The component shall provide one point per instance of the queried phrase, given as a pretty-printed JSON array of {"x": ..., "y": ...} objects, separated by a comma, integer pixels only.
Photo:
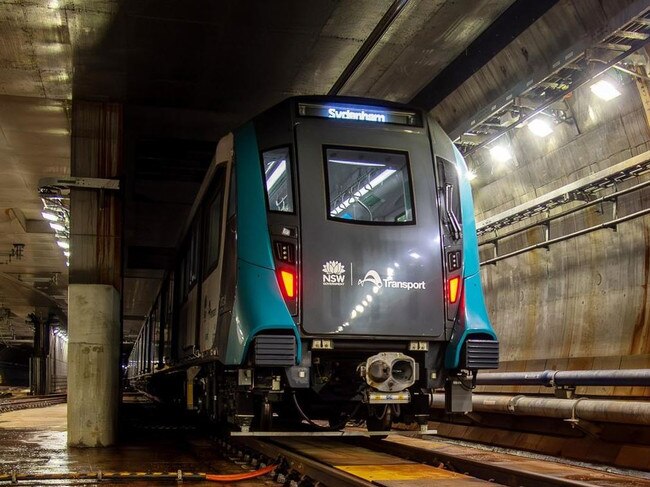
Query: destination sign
[{"x": 358, "y": 113}]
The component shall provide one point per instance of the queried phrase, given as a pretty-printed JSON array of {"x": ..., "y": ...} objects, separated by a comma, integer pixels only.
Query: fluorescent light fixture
[
  {"x": 357, "y": 163},
  {"x": 67, "y": 253},
  {"x": 63, "y": 244},
  {"x": 57, "y": 226},
  {"x": 415, "y": 255},
  {"x": 48, "y": 215},
  {"x": 382, "y": 177},
  {"x": 605, "y": 90},
  {"x": 276, "y": 175},
  {"x": 385, "y": 174},
  {"x": 471, "y": 175},
  {"x": 540, "y": 127},
  {"x": 500, "y": 153}
]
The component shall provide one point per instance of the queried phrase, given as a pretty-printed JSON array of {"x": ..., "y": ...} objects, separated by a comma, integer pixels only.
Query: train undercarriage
[{"x": 325, "y": 391}]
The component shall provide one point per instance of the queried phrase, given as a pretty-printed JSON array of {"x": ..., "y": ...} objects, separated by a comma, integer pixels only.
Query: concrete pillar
[
  {"x": 94, "y": 309},
  {"x": 38, "y": 373},
  {"x": 93, "y": 354}
]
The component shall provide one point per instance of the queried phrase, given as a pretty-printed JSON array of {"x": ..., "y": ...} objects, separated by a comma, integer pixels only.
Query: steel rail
[
  {"x": 31, "y": 402},
  {"x": 308, "y": 466},
  {"x": 501, "y": 473}
]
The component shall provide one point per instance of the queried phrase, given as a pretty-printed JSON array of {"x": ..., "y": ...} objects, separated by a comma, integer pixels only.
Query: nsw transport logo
[{"x": 333, "y": 273}]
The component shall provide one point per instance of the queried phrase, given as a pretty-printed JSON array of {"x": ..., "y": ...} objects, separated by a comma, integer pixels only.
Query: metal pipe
[
  {"x": 630, "y": 72},
  {"x": 552, "y": 378},
  {"x": 584, "y": 231},
  {"x": 597, "y": 410}
]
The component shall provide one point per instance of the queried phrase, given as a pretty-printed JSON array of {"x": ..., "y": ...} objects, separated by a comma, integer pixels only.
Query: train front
[{"x": 372, "y": 233}]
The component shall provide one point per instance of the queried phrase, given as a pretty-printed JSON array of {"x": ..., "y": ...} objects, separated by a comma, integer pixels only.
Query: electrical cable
[
  {"x": 180, "y": 476},
  {"x": 240, "y": 476},
  {"x": 337, "y": 426}
]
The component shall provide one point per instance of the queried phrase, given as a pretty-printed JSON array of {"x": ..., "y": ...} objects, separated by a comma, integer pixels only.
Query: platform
[{"x": 34, "y": 441}]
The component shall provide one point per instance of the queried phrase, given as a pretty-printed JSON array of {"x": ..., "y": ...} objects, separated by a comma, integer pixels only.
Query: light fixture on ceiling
[
  {"x": 63, "y": 244},
  {"x": 57, "y": 226},
  {"x": 357, "y": 163},
  {"x": 49, "y": 215},
  {"x": 276, "y": 175},
  {"x": 471, "y": 175},
  {"x": 540, "y": 127},
  {"x": 385, "y": 174},
  {"x": 67, "y": 253},
  {"x": 500, "y": 153},
  {"x": 605, "y": 90}
]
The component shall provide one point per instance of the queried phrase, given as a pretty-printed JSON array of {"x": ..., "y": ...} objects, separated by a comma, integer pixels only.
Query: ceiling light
[
  {"x": 471, "y": 175},
  {"x": 605, "y": 90},
  {"x": 63, "y": 244},
  {"x": 540, "y": 127},
  {"x": 67, "y": 253},
  {"x": 385, "y": 174},
  {"x": 57, "y": 226},
  {"x": 48, "y": 215},
  {"x": 415, "y": 255},
  {"x": 357, "y": 163},
  {"x": 276, "y": 175},
  {"x": 499, "y": 153}
]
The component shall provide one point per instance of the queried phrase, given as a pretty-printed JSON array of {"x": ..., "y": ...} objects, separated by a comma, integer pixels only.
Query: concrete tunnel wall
[{"x": 583, "y": 303}]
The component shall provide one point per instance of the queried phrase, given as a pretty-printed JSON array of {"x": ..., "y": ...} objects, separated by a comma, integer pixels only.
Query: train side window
[
  {"x": 193, "y": 255},
  {"x": 369, "y": 186},
  {"x": 276, "y": 165},
  {"x": 213, "y": 226}
]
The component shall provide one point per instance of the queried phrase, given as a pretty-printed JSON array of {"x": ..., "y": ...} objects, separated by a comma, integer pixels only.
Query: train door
[
  {"x": 371, "y": 250},
  {"x": 188, "y": 292},
  {"x": 214, "y": 225}
]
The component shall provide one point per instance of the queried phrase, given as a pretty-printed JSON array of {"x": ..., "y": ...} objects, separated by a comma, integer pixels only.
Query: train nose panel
[{"x": 371, "y": 255}]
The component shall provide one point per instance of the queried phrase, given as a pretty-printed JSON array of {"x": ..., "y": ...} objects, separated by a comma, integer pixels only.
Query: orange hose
[{"x": 240, "y": 476}]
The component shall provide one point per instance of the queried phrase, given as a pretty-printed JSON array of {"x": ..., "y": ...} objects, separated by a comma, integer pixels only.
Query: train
[{"x": 328, "y": 271}]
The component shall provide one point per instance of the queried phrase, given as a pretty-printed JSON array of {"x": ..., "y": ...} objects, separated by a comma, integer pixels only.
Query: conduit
[
  {"x": 553, "y": 378},
  {"x": 597, "y": 410},
  {"x": 179, "y": 476}
]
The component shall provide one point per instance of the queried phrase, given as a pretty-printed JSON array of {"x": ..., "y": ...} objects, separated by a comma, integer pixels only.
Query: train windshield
[
  {"x": 368, "y": 186},
  {"x": 277, "y": 176}
]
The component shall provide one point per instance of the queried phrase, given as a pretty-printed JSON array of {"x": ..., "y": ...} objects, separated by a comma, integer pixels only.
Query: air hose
[{"x": 14, "y": 477}]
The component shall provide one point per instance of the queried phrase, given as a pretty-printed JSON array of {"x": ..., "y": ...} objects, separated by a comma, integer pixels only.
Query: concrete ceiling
[
  {"x": 187, "y": 72},
  {"x": 35, "y": 92}
]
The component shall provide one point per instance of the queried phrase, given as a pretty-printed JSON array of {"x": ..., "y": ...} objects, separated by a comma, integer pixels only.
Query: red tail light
[
  {"x": 453, "y": 287},
  {"x": 287, "y": 283}
]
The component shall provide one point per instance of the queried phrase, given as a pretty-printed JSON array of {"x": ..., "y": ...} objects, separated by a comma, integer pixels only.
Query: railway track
[
  {"x": 400, "y": 460},
  {"x": 14, "y": 404}
]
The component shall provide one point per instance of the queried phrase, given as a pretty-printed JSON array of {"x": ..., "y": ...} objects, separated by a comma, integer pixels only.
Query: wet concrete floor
[{"x": 34, "y": 441}]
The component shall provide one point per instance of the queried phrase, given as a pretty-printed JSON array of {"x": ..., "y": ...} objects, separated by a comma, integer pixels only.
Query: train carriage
[{"x": 329, "y": 269}]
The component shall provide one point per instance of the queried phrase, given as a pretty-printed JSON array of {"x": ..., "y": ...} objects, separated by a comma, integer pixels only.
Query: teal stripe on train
[
  {"x": 259, "y": 305},
  {"x": 476, "y": 320}
]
